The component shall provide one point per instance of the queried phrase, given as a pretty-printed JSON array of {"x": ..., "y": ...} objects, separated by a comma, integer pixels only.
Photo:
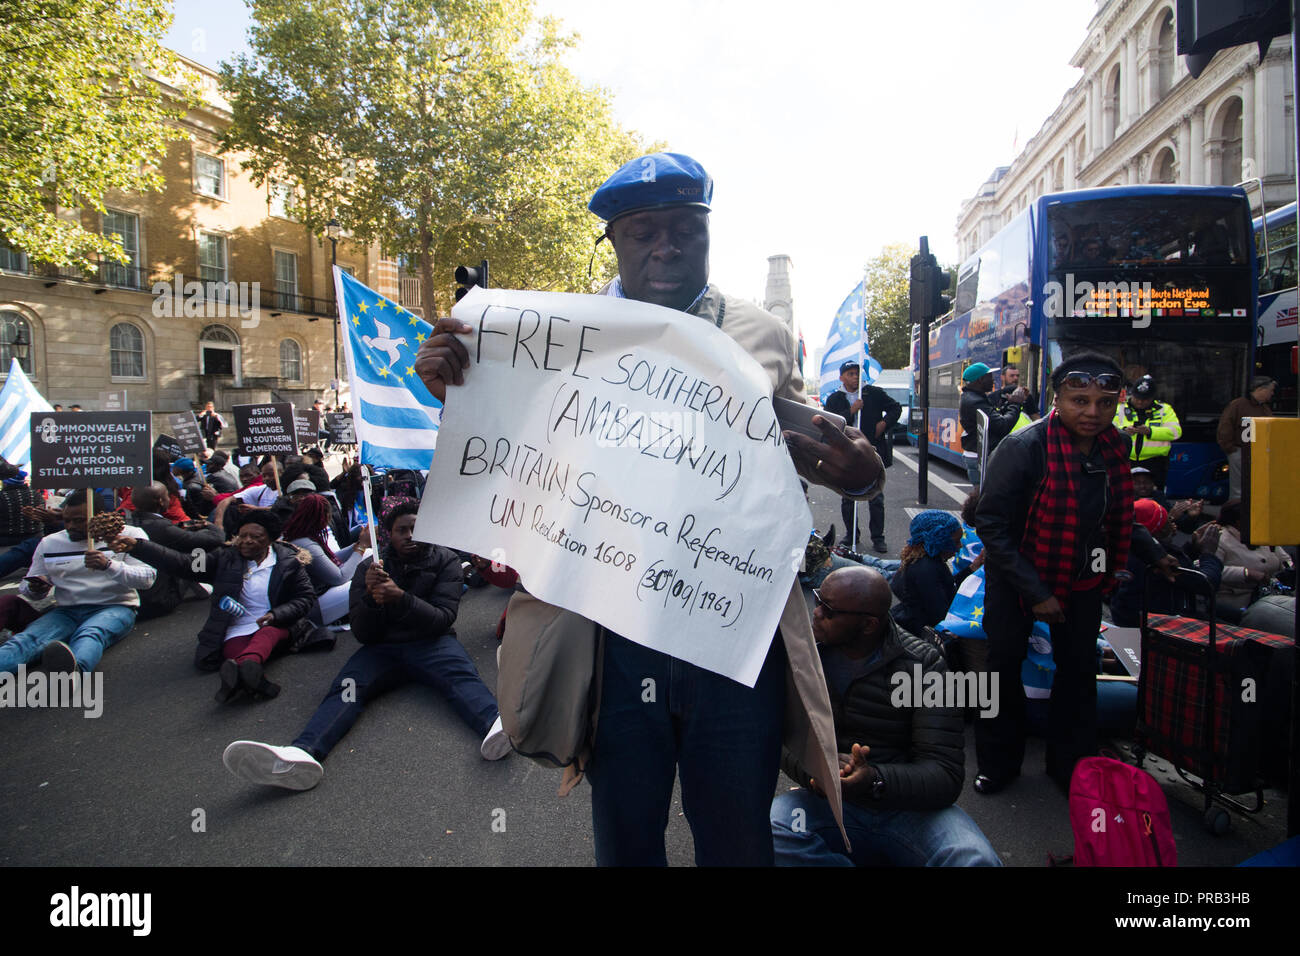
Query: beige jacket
[{"x": 809, "y": 725}]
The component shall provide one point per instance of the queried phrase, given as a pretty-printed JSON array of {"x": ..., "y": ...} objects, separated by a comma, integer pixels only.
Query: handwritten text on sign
[{"x": 625, "y": 459}]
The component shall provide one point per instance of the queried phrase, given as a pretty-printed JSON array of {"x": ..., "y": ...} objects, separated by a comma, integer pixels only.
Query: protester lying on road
[{"x": 403, "y": 614}]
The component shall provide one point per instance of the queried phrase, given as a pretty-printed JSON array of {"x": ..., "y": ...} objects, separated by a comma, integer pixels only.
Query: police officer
[{"x": 1153, "y": 426}]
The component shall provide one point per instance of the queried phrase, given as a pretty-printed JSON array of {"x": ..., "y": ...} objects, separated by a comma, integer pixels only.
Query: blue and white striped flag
[
  {"x": 18, "y": 399},
  {"x": 396, "y": 418},
  {"x": 847, "y": 340}
]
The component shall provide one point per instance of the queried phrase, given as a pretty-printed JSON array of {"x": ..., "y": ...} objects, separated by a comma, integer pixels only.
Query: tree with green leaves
[
  {"x": 886, "y": 301},
  {"x": 81, "y": 114},
  {"x": 446, "y": 130}
]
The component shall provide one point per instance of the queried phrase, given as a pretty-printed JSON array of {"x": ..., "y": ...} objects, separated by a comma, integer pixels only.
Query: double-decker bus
[
  {"x": 1161, "y": 278},
  {"x": 1275, "y": 250}
]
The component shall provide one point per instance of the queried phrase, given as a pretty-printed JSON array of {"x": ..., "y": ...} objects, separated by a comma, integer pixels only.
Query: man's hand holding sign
[{"x": 642, "y": 482}]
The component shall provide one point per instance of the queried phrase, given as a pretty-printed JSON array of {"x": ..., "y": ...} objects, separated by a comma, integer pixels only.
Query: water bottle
[{"x": 231, "y": 606}]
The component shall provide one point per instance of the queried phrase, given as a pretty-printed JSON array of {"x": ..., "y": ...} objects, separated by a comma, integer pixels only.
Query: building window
[
  {"x": 12, "y": 261},
  {"x": 126, "y": 350},
  {"x": 1230, "y": 132},
  {"x": 290, "y": 361},
  {"x": 1164, "y": 170},
  {"x": 1165, "y": 56},
  {"x": 127, "y": 229},
  {"x": 212, "y": 257},
  {"x": 286, "y": 280},
  {"x": 282, "y": 200},
  {"x": 210, "y": 175},
  {"x": 11, "y": 324}
]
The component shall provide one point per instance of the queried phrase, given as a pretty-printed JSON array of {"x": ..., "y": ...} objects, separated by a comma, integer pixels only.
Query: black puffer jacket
[
  {"x": 433, "y": 584},
  {"x": 290, "y": 591},
  {"x": 919, "y": 751}
]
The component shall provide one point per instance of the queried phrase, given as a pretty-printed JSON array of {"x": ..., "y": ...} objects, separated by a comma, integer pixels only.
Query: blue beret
[
  {"x": 653, "y": 182},
  {"x": 183, "y": 464}
]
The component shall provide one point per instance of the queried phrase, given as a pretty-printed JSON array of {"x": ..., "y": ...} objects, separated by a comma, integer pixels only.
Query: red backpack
[{"x": 1119, "y": 816}]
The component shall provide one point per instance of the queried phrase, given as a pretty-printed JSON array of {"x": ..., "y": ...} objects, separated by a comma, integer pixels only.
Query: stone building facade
[
  {"x": 1137, "y": 116},
  {"x": 226, "y": 297}
]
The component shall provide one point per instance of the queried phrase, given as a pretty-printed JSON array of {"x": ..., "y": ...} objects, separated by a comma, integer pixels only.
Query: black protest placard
[
  {"x": 307, "y": 425},
  {"x": 90, "y": 449},
  {"x": 170, "y": 447},
  {"x": 266, "y": 429},
  {"x": 186, "y": 429},
  {"x": 112, "y": 401},
  {"x": 341, "y": 429}
]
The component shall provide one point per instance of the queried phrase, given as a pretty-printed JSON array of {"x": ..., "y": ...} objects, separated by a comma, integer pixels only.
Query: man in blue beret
[{"x": 726, "y": 739}]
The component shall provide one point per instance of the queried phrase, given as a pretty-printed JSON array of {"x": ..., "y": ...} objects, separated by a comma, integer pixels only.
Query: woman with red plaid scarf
[{"x": 1055, "y": 516}]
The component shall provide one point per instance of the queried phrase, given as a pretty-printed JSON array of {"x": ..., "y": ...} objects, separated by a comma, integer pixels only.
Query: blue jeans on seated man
[
  {"x": 945, "y": 837},
  {"x": 441, "y": 663},
  {"x": 660, "y": 716},
  {"x": 89, "y": 629}
]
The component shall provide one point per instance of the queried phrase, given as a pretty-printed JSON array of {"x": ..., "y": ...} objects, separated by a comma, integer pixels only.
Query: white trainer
[
  {"x": 496, "y": 744},
  {"x": 289, "y": 767}
]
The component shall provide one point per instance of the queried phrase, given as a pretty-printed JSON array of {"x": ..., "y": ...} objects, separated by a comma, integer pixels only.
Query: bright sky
[{"x": 831, "y": 127}]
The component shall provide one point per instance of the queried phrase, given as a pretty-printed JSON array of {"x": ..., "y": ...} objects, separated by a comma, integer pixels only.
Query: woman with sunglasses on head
[{"x": 1055, "y": 516}]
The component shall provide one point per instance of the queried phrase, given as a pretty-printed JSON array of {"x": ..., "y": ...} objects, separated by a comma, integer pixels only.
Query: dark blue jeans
[
  {"x": 660, "y": 716},
  {"x": 375, "y": 669}
]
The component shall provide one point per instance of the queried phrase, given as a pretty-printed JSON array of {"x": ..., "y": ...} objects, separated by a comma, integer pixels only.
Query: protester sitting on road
[
  {"x": 221, "y": 475},
  {"x": 167, "y": 592},
  {"x": 924, "y": 584},
  {"x": 330, "y": 570},
  {"x": 1245, "y": 568},
  {"x": 901, "y": 767},
  {"x": 1056, "y": 518},
  {"x": 1158, "y": 550},
  {"x": 403, "y": 614},
  {"x": 1144, "y": 486},
  {"x": 197, "y": 494},
  {"x": 162, "y": 471},
  {"x": 262, "y": 495},
  {"x": 19, "y": 556},
  {"x": 821, "y": 557},
  {"x": 970, "y": 553},
  {"x": 260, "y": 590},
  {"x": 96, "y": 596}
]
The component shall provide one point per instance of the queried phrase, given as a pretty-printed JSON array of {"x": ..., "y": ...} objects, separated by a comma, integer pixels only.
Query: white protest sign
[{"x": 625, "y": 459}]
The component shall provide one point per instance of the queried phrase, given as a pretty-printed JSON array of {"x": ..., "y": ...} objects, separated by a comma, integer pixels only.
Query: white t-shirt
[
  {"x": 255, "y": 596},
  {"x": 259, "y": 496},
  {"x": 62, "y": 562}
]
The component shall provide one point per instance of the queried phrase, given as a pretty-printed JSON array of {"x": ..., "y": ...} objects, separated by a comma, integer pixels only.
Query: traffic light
[
  {"x": 929, "y": 286},
  {"x": 470, "y": 276}
]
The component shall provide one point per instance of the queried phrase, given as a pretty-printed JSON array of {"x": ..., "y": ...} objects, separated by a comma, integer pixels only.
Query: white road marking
[{"x": 947, "y": 487}]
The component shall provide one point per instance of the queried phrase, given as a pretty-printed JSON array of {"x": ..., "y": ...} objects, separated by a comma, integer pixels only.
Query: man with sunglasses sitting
[
  {"x": 901, "y": 765},
  {"x": 1056, "y": 519}
]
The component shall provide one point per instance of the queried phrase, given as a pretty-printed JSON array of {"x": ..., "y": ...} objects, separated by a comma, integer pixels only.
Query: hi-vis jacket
[{"x": 1164, "y": 425}]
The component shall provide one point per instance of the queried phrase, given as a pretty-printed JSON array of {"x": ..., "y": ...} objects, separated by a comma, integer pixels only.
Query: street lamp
[
  {"x": 20, "y": 347},
  {"x": 334, "y": 230}
]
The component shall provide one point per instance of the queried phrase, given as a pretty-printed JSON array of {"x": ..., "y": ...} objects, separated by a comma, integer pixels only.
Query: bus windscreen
[{"x": 1177, "y": 257}]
